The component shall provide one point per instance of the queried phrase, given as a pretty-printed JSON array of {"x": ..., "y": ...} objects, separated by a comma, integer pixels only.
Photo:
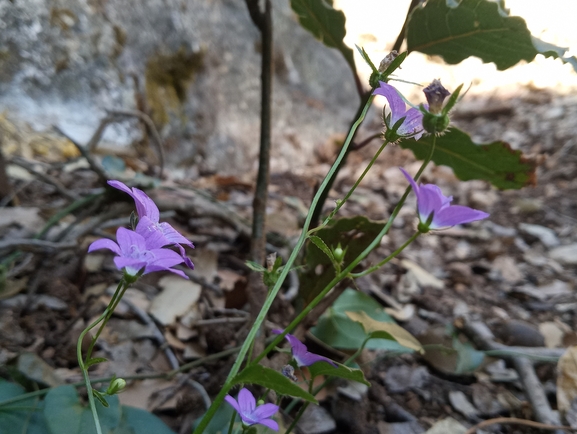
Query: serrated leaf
[
  {"x": 341, "y": 371},
  {"x": 353, "y": 234},
  {"x": 326, "y": 24},
  {"x": 495, "y": 162},
  {"x": 325, "y": 249},
  {"x": 481, "y": 28},
  {"x": 386, "y": 330},
  {"x": 336, "y": 329},
  {"x": 94, "y": 361},
  {"x": 263, "y": 376}
]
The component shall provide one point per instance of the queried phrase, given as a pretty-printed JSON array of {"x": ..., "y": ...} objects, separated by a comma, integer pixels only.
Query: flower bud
[
  {"x": 436, "y": 94},
  {"x": 339, "y": 253},
  {"x": 387, "y": 60},
  {"x": 289, "y": 372},
  {"x": 116, "y": 386}
]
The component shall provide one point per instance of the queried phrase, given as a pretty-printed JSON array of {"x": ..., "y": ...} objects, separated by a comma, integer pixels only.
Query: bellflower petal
[
  {"x": 412, "y": 126},
  {"x": 145, "y": 206},
  {"x": 250, "y": 413},
  {"x": 431, "y": 201},
  {"x": 300, "y": 353},
  {"x": 132, "y": 254}
]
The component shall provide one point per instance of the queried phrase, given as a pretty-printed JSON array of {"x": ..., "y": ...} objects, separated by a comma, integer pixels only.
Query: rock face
[{"x": 194, "y": 66}]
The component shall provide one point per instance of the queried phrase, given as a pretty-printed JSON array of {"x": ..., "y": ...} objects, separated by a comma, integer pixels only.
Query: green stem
[
  {"x": 344, "y": 273},
  {"x": 120, "y": 289},
  {"x": 354, "y": 187},
  {"x": 273, "y": 293},
  {"x": 388, "y": 258}
]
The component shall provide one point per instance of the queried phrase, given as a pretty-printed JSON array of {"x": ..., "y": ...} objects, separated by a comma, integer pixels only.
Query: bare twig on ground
[
  {"x": 44, "y": 177},
  {"x": 158, "y": 336},
  {"x": 516, "y": 421},
  {"x": 91, "y": 162},
  {"x": 32, "y": 245},
  {"x": 151, "y": 128},
  {"x": 534, "y": 390}
]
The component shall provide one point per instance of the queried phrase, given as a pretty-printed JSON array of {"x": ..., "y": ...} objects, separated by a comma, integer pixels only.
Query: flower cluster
[
  {"x": 142, "y": 249},
  {"x": 250, "y": 413}
]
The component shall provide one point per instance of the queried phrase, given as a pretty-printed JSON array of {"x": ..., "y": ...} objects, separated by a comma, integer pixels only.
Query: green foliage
[
  {"x": 258, "y": 374},
  {"x": 353, "y": 234},
  {"x": 326, "y": 24},
  {"x": 468, "y": 358},
  {"x": 494, "y": 162},
  {"x": 336, "y": 329},
  {"x": 61, "y": 412},
  {"x": 458, "y": 30},
  {"x": 342, "y": 371}
]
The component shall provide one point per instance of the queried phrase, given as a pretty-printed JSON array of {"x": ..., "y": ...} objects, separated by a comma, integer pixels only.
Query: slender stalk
[
  {"x": 274, "y": 291},
  {"x": 354, "y": 187},
  {"x": 387, "y": 259}
]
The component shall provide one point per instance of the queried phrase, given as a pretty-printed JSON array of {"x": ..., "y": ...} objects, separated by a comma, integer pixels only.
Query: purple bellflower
[
  {"x": 411, "y": 126},
  {"x": 300, "y": 353},
  {"x": 435, "y": 209},
  {"x": 134, "y": 254},
  {"x": 156, "y": 234},
  {"x": 250, "y": 413}
]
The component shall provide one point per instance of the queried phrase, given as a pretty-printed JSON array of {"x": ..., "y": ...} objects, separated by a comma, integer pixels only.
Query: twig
[
  {"x": 481, "y": 335},
  {"x": 158, "y": 336},
  {"x": 91, "y": 162},
  {"x": 365, "y": 142},
  {"x": 516, "y": 421},
  {"x": 225, "y": 320},
  {"x": 32, "y": 245},
  {"x": 401, "y": 37},
  {"x": 151, "y": 128},
  {"x": 44, "y": 177}
]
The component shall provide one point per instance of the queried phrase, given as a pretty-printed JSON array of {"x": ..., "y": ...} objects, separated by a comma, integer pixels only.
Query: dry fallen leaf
[{"x": 567, "y": 379}]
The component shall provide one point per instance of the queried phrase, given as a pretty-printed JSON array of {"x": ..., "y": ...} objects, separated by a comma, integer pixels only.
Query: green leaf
[
  {"x": 341, "y": 371},
  {"x": 468, "y": 358},
  {"x": 326, "y": 250},
  {"x": 94, "y": 361},
  {"x": 142, "y": 422},
  {"x": 255, "y": 267},
  {"x": 23, "y": 417},
  {"x": 353, "y": 234},
  {"x": 65, "y": 414},
  {"x": 220, "y": 422},
  {"x": 336, "y": 329},
  {"x": 494, "y": 162},
  {"x": 366, "y": 58},
  {"x": 481, "y": 28},
  {"x": 326, "y": 24},
  {"x": 258, "y": 374},
  {"x": 385, "y": 330}
]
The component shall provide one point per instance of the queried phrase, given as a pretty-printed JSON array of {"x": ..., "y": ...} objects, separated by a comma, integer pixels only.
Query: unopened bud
[
  {"x": 116, "y": 386},
  {"x": 436, "y": 94},
  {"x": 339, "y": 253}
]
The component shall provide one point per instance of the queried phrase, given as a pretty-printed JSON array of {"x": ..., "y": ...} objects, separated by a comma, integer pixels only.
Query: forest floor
[{"x": 509, "y": 280}]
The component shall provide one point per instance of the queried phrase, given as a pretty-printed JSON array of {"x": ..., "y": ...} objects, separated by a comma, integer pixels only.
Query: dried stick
[
  {"x": 516, "y": 421},
  {"x": 44, "y": 177},
  {"x": 151, "y": 128},
  {"x": 481, "y": 335}
]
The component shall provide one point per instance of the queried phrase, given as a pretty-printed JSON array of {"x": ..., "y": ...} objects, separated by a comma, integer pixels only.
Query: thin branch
[
  {"x": 401, "y": 37},
  {"x": 91, "y": 162},
  {"x": 32, "y": 245},
  {"x": 44, "y": 177},
  {"x": 516, "y": 421},
  {"x": 151, "y": 128}
]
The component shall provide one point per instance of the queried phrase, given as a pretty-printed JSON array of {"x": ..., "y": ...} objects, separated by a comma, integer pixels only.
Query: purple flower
[
  {"x": 133, "y": 254},
  {"x": 412, "y": 126},
  {"x": 435, "y": 209},
  {"x": 300, "y": 353},
  {"x": 249, "y": 412},
  {"x": 156, "y": 234}
]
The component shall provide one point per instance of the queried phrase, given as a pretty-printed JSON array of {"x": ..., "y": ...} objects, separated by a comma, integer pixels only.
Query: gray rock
[
  {"x": 197, "y": 65},
  {"x": 400, "y": 428},
  {"x": 316, "y": 420},
  {"x": 566, "y": 255},
  {"x": 461, "y": 404},
  {"x": 401, "y": 378},
  {"x": 547, "y": 236}
]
